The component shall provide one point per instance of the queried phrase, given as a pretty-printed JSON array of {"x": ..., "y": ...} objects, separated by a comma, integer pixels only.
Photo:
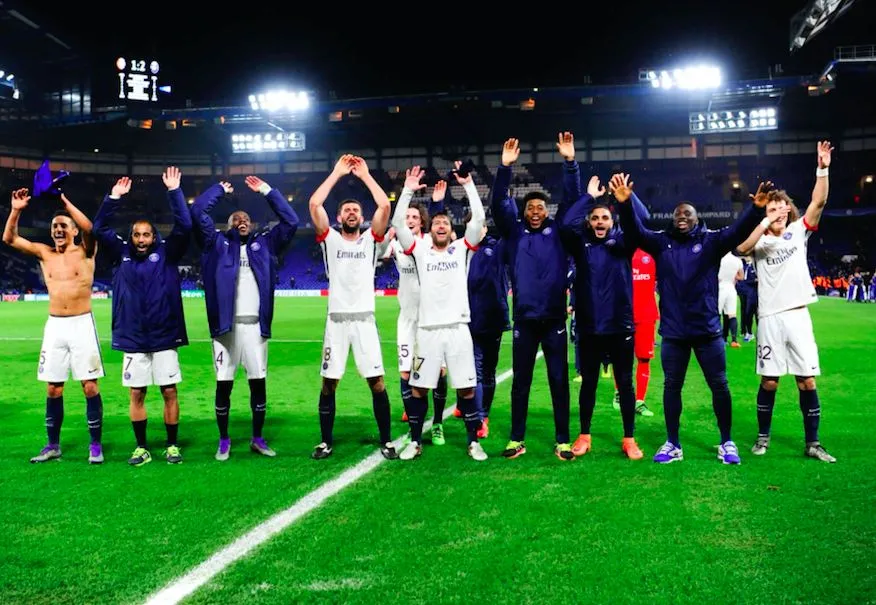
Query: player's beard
[{"x": 347, "y": 228}]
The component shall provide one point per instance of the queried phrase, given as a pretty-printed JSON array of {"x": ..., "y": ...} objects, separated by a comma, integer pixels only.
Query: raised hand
[
  {"x": 762, "y": 196},
  {"x": 440, "y": 191},
  {"x": 171, "y": 178},
  {"x": 777, "y": 213},
  {"x": 621, "y": 187},
  {"x": 594, "y": 189},
  {"x": 359, "y": 167},
  {"x": 226, "y": 187},
  {"x": 122, "y": 187},
  {"x": 344, "y": 165},
  {"x": 510, "y": 152},
  {"x": 413, "y": 176},
  {"x": 462, "y": 180},
  {"x": 20, "y": 198},
  {"x": 253, "y": 182},
  {"x": 824, "y": 151},
  {"x": 566, "y": 145}
]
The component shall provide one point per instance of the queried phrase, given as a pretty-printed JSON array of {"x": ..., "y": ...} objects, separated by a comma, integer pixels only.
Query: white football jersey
[
  {"x": 408, "y": 280},
  {"x": 443, "y": 283},
  {"x": 350, "y": 268},
  {"x": 783, "y": 280},
  {"x": 730, "y": 266}
]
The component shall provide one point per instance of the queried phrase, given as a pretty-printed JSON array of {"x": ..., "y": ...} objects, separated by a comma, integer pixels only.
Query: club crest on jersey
[
  {"x": 361, "y": 237},
  {"x": 153, "y": 258},
  {"x": 256, "y": 247},
  {"x": 787, "y": 235},
  {"x": 547, "y": 231},
  {"x": 488, "y": 251},
  {"x": 610, "y": 242},
  {"x": 646, "y": 260},
  {"x": 450, "y": 249},
  {"x": 697, "y": 248}
]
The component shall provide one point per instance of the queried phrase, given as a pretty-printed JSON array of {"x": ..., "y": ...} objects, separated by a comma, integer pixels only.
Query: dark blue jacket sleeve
[
  {"x": 205, "y": 228},
  {"x": 738, "y": 232},
  {"x": 282, "y": 232},
  {"x": 111, "y": 243},
  {"x": 572, "y": 181},
  {"x": 575, "y": 218},
  {"x": 504, "y": 208},
  {"x": 637, "y": 235},
  {"x": 178, "y": 240},
  {"x": 639, "y": 208}
]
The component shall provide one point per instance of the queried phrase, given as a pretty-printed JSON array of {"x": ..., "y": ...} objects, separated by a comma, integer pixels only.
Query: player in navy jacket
[
  {"x": 148, "y": 321},
  {"x": 688, "y": 256},
  {"x": 537, "y": 267},
  {"x": 603, "y": 311},
  {"x": 239, "y": 269},
  {"x": 488, "y": 301}
]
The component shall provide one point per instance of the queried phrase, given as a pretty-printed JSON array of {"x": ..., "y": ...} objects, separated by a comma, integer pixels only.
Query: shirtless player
[{"x": 70, "y": 340}]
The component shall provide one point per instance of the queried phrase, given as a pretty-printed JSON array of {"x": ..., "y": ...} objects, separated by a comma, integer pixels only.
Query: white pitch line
[{"x": 185, "y": 585}]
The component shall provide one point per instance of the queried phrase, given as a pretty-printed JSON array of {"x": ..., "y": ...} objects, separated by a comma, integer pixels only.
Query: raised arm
[
  {"x": 504, "y": 208},
  {"x": 317, "y": 201},
  {"x": 572, "y": 189},
  {"x": 178, "y": 240},
  {"x": 634, "y": 231},
  {"x": 202, "y": 222},
  {"x": 474, "y": 231},
  {"x": 83, "y": 223},
  {"x": 111, "y": 242},
  {"x": 282, "y": 232},
  {"x": 380, "y": 220},
  {"x": 773, "y": 214},
  {"x": 20, "y": 198},
  {"x": 819, "y": 192},
  {"x": 405, "y": 237},
  {"x": 741, "y": 230},
  {"x": 438, "y": 195},
  {"x": 639, "y": 208}
]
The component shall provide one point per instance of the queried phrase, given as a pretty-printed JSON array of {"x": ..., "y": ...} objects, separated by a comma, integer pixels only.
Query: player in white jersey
[
  {"x": 417, "y": 220},
  {"x": 443, "y": 336},
  {"x": 350, "y": 258},
  {"x": 729, "y": 272},
  {"x": 785, "y": 341}
]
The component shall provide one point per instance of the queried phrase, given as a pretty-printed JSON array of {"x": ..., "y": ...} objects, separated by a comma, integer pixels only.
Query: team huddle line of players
[{"x": 453, "y": 305}]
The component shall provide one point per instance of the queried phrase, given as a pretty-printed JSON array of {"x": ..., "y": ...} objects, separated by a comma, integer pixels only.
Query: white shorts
[
  {"x": 358, "y": 334},
  {"x": 243, "y": 346},
  {"x": 406, "y": 336},
  {"x": 436, "y": 347},
  {"x": 786, "y": 345},
  {"x": 70, "y": 345},
  {"x": 727, "y": 300},
  {"x": 160, "y": 368}
]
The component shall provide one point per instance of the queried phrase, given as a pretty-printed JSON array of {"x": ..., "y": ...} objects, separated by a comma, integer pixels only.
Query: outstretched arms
[
  {"x": 405, "y": 236},
  {"x": 111, "y": 241},
  {"x": 819, "y": 192},
  {"x": 20, "y": 198},
  {"x": 205, "y": 228},
  {"x": 504, "y": 208},
  {"x": 474, "y": 231},
  {"x": 380, "y": 220},
  {"x": 317, "y": 201},
  {"x": 178, "y": 240},
  {"x": 283, "y": 231},
  {"x": 83, "y": 223}
]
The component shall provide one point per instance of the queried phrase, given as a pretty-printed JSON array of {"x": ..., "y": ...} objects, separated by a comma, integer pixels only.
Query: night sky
[{"x": 211, "y": 56}]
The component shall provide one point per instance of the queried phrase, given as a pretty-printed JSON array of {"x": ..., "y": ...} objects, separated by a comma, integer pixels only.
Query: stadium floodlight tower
[
  {"x": 280, "y": 101},
  {"x": 812, "y": 20},
  {"x": 695, "y": 77}
]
